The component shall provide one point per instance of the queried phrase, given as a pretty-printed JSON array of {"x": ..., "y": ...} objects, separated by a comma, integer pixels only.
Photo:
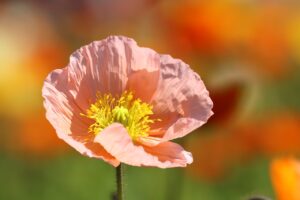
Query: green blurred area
[{"x": 76, "y": 177}]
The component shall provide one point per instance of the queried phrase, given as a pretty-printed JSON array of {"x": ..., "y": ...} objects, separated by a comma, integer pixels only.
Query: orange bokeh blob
[
  {"x": 35, "y": 136},
  {"x": 273, "y": 136},
  {"x": 285, "y": 175}
]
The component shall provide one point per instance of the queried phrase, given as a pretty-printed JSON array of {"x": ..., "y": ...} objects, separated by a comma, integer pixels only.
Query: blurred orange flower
[
  {"x": 272, "y": 136},
  {"x": 285, "y": 176},
  {"x": 255, "y": 37},
  {"x": 279, "y": 134},
  {"x": 225, "y": 148},
  {"x": 35, "y": 136},
  {"x": 201, "y": 27},
  {"x": 267, "y": 44}
]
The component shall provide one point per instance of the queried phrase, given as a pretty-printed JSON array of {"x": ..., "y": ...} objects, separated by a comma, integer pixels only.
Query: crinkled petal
[
  {"x": 143, "y": 84},
  {"x": 107, "y": 66},
  {"x": 64, "y": 115},
  {"x": 181, "y": 100},
  {"x": 60, "y": 104},
  {"x": 118, "y": 143}
]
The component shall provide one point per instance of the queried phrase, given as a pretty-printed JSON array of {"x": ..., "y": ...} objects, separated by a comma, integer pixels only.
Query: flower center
[
  {"x": 132, "y": 113},
  {"x": 120, "y": 114}
]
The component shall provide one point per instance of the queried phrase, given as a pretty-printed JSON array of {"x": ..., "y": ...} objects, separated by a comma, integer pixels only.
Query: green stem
[{"x": 119, "y": 175}]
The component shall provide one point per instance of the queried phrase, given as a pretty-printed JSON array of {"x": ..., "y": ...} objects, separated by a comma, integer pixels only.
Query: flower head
[{"x": 123, "y": 103}]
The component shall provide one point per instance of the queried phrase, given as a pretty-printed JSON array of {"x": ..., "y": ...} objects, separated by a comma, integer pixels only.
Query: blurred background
[{"x": 247, "y": 52}]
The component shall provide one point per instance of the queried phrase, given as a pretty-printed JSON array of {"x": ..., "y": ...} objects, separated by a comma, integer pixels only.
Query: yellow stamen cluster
[{"x": 132, "y": 113}]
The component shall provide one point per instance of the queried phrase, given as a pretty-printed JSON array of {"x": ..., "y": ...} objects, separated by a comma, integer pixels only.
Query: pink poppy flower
[{"x": 123, "y": 103}]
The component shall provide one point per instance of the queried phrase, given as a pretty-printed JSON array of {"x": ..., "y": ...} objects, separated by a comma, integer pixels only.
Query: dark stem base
[{"x": 119, "y": 176}]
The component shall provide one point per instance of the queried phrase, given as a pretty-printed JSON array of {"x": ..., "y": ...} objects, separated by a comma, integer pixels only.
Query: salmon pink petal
[
  {"x": 59, "y": 102},
  {"x": 118, "y": 143},
  {"x": 143, "y": 84},
  {"x": 106, "y": 66},
  {"x": 149, "y": 141},
  {"x": 181, "y": 99},
  {"x": 63, "y": 113}
]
